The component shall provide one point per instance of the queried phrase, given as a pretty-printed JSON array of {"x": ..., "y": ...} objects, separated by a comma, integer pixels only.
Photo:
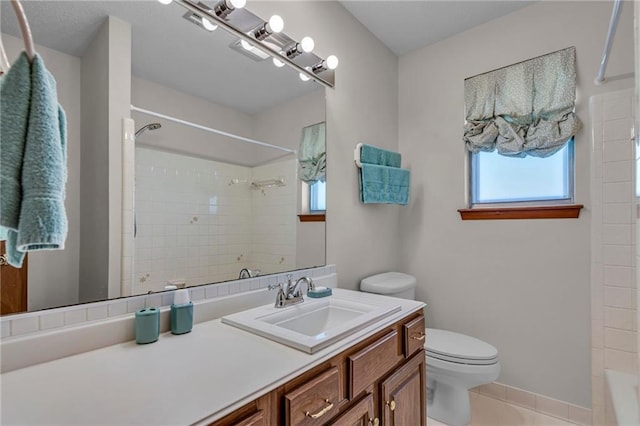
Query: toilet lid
[{"x": 455, "y": 347}]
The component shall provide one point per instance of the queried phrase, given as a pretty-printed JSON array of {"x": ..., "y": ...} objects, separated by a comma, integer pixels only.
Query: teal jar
[
  {"x": 147, "y": 325},
  {"x": 181, "y": 312},
  {"x": 181, "y": 318}
]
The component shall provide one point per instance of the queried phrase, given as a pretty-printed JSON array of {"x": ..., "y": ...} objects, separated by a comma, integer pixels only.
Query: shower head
[{"x": 151, "y": 126}]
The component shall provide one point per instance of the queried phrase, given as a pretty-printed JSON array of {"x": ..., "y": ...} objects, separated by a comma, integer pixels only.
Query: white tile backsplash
[
  {"x": 6, "y": 328},
  {"x": 117, "y": 308},
  {"x": 24, "y": 325},
  {"x": 51, "y": 320},
  {"x": 48, "y": 320},
  {"x": 97, "y": 312},
  {"x": 75, "y": 316}
]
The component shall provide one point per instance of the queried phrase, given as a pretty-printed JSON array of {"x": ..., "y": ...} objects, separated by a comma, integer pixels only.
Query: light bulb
[
  {"x": 278, "y": 63},
  {"x": 276, "y": 23},
  {"x": 307, "y": 44},
  {"x": 332, "y": 62},
  {"x": 237, "y": 4},
  {"x": 246, "y": 45},
  {"x": 304, "y": 77},
  {"x": 165, "y": 2},
  {"x": 207, "y": 25}
]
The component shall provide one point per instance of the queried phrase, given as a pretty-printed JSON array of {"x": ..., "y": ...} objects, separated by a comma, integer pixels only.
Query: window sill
[
  {"x": 312, "y": 217},
  {"x": 571, "y": 211}
]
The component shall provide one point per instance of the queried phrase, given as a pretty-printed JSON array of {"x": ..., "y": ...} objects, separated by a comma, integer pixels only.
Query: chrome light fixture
[{"x": 258, "y": 36}]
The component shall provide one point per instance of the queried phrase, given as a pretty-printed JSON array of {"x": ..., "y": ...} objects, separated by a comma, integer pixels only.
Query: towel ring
[{"x": 24, "y": 27}]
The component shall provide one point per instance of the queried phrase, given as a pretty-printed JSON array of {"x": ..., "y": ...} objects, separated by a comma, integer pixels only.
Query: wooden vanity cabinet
[
  {"x": 380, "y": 381},
  {"x": 260, "y": 412},
  {"x": 403, "y": 394}
]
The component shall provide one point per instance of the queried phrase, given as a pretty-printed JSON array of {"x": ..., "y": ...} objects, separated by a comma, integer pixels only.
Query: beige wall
[
  {"x": 298, "y": 113},
  {"x": 521, "y": 285},
  {"x": 106, "y": 94},
  {"x": 59, "y": 268},
  {"x": 361, "y": 240},
  {"x": 155, "y": 97}
]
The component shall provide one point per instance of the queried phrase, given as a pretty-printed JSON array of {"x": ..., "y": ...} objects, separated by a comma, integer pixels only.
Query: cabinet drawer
[
  {"x": 256, "y": 419},
  {"x": 314, "y": 402},
  {"x": 413, "y": 336},
  {"x": 369, "y": 364}
]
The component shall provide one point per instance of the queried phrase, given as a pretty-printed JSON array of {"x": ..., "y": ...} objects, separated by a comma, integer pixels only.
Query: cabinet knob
[
  {"x": 391, "y": 404},
  {"x": 322, "y": 412},
  {"x": 374, "y": 422},
  {"x": 3, "y": 260}
]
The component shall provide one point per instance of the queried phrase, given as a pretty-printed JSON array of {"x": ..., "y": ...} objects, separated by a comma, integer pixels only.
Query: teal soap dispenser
[{"x": 181, "y": 312}]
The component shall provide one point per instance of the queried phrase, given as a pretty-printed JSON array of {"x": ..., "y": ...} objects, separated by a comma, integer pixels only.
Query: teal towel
[
  {"x": 34, "y": 150},
  {"x": 382, "y": 184},
  {"x": 373, "y": 155}
]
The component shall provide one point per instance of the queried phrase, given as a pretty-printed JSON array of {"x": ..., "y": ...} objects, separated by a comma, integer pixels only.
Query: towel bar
[{"x": 356, "y": 155}]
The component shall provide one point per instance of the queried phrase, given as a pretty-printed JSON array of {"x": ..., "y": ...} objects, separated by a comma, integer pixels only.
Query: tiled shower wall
[
  {"x": 614, "y": 342},
  {"x": 195, "y": 217},
  {"x": 273, "y": 224}
]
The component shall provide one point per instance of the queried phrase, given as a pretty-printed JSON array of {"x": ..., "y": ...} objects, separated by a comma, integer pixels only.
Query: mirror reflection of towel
[{"x": 33, "y": 161}]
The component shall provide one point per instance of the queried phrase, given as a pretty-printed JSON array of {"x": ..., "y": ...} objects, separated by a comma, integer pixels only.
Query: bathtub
[{"x": 622, "y": 399}]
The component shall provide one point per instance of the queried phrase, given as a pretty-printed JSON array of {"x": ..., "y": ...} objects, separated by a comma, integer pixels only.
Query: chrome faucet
[
  {"x": 289, "y": 293},
  {"x": 248, "y": 273}
]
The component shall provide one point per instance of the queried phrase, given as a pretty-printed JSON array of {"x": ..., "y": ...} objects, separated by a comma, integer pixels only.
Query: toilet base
[{"x": 448, "y": 404}]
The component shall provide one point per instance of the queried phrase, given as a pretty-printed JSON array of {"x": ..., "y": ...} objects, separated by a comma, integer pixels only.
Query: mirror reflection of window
[{"x": 318, "y": 197}]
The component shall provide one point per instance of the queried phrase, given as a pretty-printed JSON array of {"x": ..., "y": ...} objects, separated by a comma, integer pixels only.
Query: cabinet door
[
  {"x": 360, "y": 414},
  {"x": 402, "y": 395}
]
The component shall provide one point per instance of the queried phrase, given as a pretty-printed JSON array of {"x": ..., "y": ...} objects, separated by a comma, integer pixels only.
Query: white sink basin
[{"x": 313, "y": 324}]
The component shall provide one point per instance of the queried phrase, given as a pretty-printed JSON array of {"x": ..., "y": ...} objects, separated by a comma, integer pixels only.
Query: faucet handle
[{"x": 277, "y": 286}]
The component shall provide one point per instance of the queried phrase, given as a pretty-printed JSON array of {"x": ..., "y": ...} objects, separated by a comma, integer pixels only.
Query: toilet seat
[{"x": 459, "y": 348}]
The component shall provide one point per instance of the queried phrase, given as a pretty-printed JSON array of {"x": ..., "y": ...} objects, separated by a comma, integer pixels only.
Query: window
[
  {"x": 519, "y": 128},
  {"x": 496, "y": 178},
  {"x": 317, "y": 197}
]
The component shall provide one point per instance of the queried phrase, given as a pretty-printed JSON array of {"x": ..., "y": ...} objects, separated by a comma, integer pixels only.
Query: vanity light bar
[{"x": 303, "y": 63}]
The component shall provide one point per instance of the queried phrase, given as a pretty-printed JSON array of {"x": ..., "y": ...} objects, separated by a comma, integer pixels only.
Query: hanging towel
[
  {"x": 373, "y": 155},
  {"x": 383, "y": 184},
  {"x": 35, "y": 149}
]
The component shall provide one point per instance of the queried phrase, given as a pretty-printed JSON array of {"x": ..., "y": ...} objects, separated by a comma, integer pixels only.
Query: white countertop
[{"x": 186, "y": 379}]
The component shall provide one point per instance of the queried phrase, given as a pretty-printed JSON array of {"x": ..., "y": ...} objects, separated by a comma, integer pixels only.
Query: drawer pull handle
[
  {"x": 322, "y": 412},
  {"x": 420, "y": 336},
  {"x": 374, "y": 422},
  {"x": 391, "y": 404}
]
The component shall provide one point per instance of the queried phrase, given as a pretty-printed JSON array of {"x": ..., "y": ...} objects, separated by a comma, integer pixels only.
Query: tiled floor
[{"x": 487, "y": 411}]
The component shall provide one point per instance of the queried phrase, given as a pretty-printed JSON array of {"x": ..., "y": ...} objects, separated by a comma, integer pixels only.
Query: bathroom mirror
[{"x": 207, "y": 204}]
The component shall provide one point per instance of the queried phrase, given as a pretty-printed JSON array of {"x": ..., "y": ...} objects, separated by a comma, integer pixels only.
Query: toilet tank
[{"x": 395, "y": 284}]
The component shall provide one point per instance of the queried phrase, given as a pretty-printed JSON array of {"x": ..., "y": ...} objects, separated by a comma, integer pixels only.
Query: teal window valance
[
  {"x": 523, "y": 109},
  {"x": 312, "y": 156}
]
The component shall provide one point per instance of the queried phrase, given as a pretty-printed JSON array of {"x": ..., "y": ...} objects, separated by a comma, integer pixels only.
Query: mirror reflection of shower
[{"x": 150, "y": 126}]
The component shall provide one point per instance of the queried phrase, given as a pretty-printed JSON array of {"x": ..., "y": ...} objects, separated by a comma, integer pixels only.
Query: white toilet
[{"x": 455, "y": 362}]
